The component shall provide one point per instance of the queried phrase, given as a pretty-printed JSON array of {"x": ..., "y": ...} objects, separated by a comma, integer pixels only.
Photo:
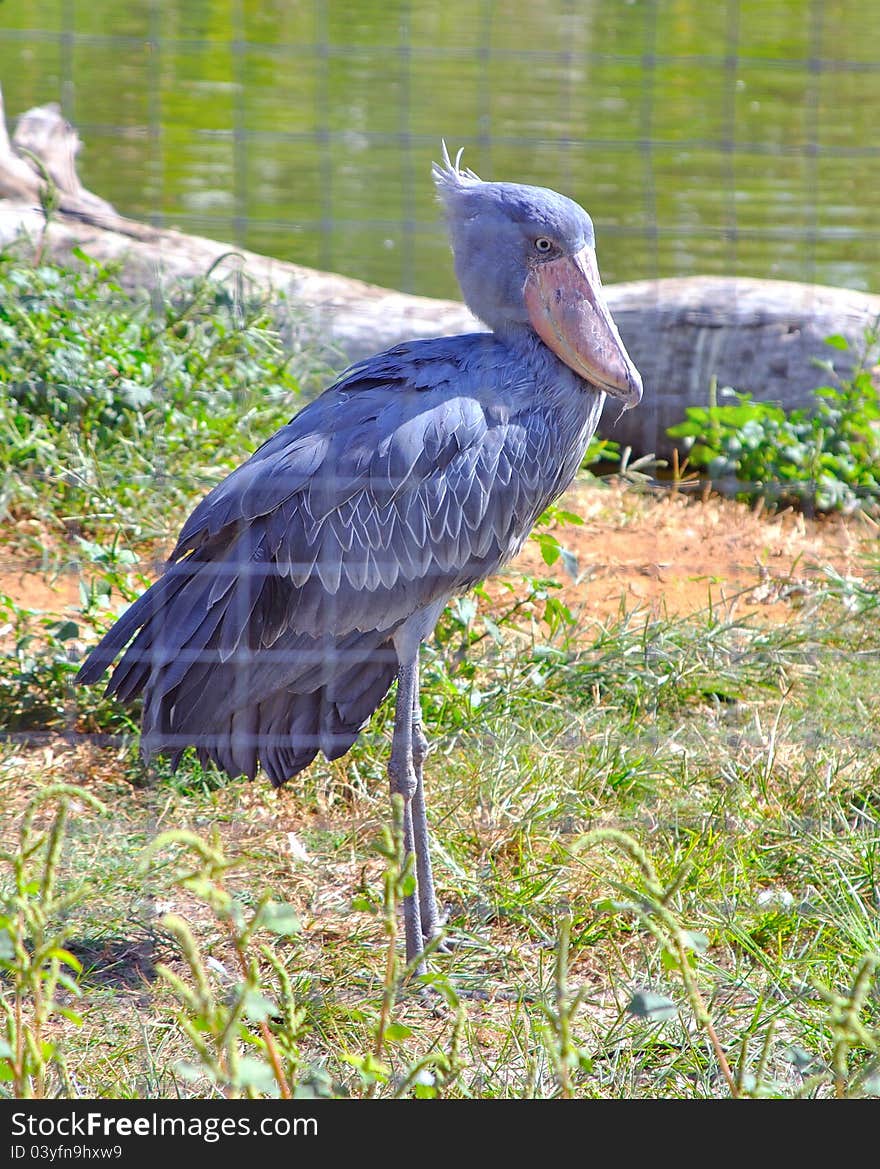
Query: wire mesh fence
[{"x": 733, "y": 137}]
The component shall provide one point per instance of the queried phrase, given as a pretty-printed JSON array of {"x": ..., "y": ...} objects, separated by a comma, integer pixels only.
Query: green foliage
[
  {"x": 43, "y": 654},
  {"x": 245, "y": 1025},
  {"x": 35, "y": 684},
  {"x": 120, "y": 407},
  {"x": 601, "y": 451},
  {"x": 852, "y": 1067},
  {"x": 245, "y": 1035},
  {"x": 33, "y": 961},
  {"x": 727, "y": 810},
  {"x": 739, "y": 756},
  {"x": 825, "y": 458},
  {"x": 567, "y": 1058},
  {"x": 473, "y": 629},
  {"x": 653, "y": 905}
]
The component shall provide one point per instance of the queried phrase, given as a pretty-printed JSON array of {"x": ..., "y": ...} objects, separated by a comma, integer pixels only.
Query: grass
[
  {"x": 757, "y": 877},
  {"x": 119, "y": 412},
  {"x": 657, "y": 840}
]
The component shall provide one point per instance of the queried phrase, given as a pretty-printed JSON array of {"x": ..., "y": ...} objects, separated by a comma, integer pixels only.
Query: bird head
[{"x": 526, "y": 257}]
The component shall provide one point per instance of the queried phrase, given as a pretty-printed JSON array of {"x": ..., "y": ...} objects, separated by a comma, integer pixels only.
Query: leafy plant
[
  {"x": 558, "y": 1030},
  {"x": 426, "y": 1076},
  {"x": 246, "y": 1033},
  {"x": 737, "y": 752},
  {"x": 37, "y": 690},
  {"x": 852, "y": 1069},
  {"x": 825, "y": 458},
  {"x": 653, "y": 905},
  {"x": 601, "y": 451},
  {"x": 228, "y": 1016},
  {"x": 33, "y": 958},
  {"x": 120, "y": 407}
]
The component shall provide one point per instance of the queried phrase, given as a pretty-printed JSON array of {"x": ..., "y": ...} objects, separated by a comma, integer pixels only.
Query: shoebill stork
[{"x": 305, "y": 582}]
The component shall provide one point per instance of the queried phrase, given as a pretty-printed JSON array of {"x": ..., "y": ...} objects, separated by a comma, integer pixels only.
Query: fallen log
[
  {"x": 760, "y": 336},
  {"x": 764, "y": 337}
]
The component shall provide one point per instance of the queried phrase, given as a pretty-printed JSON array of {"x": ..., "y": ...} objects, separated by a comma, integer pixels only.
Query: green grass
[
  {"x": 658, "y": 843},
  {"x": 759, "y": 818},
  {"x": 117, "y": 411}
]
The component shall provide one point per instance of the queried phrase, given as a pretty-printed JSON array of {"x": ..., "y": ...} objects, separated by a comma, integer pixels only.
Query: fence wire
[{"x": 733, "y": 137}]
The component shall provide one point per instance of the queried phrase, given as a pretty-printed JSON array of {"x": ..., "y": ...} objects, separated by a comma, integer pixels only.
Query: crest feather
[{"x": 450, "y": 176}]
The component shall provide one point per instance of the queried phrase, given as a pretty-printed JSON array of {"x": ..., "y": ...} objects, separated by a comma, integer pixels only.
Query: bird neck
[{"x": 549, "y": 371}]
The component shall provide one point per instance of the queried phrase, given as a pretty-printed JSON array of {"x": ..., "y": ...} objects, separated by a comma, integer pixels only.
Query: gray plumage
[
  {"x": 270, "y": 634},
  {"x": 305, "y": 581}
]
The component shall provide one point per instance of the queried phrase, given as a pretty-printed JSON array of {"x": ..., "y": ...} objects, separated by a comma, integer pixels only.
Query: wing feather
[{"x": 406, "y": 482}]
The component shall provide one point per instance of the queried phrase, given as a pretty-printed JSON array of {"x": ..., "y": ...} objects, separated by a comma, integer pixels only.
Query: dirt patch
[
  {"x": 676, "y": 554},
  {"x": 665, "y": 552}
]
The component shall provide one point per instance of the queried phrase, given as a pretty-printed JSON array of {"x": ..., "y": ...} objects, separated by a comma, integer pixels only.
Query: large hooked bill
[{"x": 568, "y": 311}]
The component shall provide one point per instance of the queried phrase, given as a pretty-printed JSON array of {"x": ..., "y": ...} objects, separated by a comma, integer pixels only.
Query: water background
[{"x": 734, "y": 137}]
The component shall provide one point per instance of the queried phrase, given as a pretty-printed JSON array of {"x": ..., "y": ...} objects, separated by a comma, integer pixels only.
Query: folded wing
[{"x": 269, "y": 637}]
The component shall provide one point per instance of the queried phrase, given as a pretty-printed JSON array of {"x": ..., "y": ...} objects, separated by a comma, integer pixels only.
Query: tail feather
[
  {"x": 241, "y": 705},
  {"x": 137, "y": 614}
]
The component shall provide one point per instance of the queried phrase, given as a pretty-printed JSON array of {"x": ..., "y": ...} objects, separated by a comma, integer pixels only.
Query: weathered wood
[
  {"x": 762, "y": 336},
  {"x": 43, "y": 134},
  {"x": 17, "y": 176}
]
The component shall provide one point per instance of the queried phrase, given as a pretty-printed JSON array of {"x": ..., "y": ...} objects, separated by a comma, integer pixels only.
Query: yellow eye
[{"x": 543, "y": 245}]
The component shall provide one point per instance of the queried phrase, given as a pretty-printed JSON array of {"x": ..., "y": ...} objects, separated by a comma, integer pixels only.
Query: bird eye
[{"x": 542, "y": 244}]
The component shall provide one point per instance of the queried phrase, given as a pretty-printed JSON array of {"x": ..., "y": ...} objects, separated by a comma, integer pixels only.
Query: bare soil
[
  {"x": 654, "y": 552},
  {"x": 673, "y": 553}
]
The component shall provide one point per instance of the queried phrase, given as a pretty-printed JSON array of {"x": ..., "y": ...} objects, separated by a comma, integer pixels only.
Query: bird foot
[{"x": 441, "y": 944}]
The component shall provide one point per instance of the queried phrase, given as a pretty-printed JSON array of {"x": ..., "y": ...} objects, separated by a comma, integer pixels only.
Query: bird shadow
[{"x": 116, "y": 962}]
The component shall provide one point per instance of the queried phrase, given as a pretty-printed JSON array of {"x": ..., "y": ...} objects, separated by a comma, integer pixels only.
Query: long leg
[
  {"x": 430, "y": 918},
  {"x": 403, "y": 778}
]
